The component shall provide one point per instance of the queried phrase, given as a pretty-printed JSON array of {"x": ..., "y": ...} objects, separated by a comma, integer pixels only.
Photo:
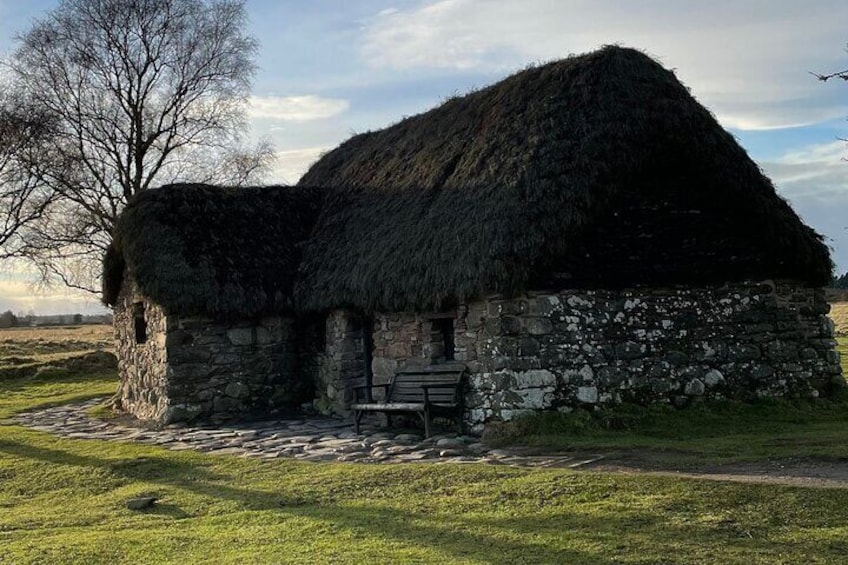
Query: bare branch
[{"x": 140, "y": 94}]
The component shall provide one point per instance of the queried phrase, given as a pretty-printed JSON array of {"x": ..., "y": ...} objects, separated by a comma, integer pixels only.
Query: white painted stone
[
  {"x": 587, "y": 394},
  {"x": 631, "y": 304},
  {"x": 512, "y": 414},
  {"x": 535, "y": 379},
  {"x": 577, "y": 302},
  {"x": 713, "y": 378},
  {"x": 536, "y": 397}
]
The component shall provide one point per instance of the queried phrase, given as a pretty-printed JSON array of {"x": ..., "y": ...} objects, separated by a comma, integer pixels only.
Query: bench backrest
[{"x": 406, "y": 384}]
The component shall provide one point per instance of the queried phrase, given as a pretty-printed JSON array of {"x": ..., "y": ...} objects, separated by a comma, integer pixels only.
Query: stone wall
[
  {"x": 587, "y": 348},
  {"x": 142, "y": 366},
  {"x": 403, "y": 340},
  {"x": 553, "y": 351},
  {"x": 341, "y": 366},
  {"x": 197, "y": 368},
  {"x": 399, "y": 340}
]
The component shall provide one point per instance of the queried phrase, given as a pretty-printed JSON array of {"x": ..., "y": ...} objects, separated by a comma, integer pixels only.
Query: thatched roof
[
  {"x": 217, "y": 251},
  {"x": 596, "y": 170}
]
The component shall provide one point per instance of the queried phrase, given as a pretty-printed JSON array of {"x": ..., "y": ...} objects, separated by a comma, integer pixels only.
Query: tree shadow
[{"x": 459, "y": 536}]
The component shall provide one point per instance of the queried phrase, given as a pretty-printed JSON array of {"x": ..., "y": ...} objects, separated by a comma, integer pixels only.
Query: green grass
[
  {"x": 842, "y": 347},
  {"x": 62, "y": 501},
  {"x": 708, "y": 434}
]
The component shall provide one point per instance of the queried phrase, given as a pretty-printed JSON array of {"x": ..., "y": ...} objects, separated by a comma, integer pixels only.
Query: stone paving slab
[{"x": 318, "y": 439}]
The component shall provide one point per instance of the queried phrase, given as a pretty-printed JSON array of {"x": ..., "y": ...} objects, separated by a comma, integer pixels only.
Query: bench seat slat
[{"x": 393, "y": 406}]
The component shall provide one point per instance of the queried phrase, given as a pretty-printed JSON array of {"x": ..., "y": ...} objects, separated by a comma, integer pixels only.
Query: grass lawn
[{"x": 62, "y": 501}]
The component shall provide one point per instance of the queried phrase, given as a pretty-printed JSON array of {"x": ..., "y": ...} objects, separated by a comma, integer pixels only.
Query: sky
[{"x": 329, "y": 69}]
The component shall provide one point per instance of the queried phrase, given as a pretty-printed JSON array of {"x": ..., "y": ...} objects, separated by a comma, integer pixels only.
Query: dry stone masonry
[
  {"x": 197, "y": 368},
  {"x": 539, "y": 351},
  {"x": 586, "y": 348}
]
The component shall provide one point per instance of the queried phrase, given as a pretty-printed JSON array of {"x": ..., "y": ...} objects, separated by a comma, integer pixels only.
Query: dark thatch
[
  {"x": 599, "y": 170},
  {"x": 203, "y": 250}
]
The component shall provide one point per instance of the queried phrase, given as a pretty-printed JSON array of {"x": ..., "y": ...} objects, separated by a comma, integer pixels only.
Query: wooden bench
[{"x": 435, "y": 390}]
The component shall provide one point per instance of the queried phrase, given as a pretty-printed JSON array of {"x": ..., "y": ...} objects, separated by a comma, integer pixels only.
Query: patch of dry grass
[
  {"x": 839, "y": 315},
  {"x": 24, "y": 350}
]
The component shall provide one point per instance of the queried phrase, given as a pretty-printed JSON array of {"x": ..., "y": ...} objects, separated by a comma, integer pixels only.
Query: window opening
[
  {"x": 443, "y": 331},
  {"x": 368, "y": 354},
  {"x": 139, "y": 323}
]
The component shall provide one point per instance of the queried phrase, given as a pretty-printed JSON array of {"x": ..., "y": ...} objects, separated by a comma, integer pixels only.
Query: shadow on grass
[
  {"x": 19, "y": 384},
  {"x": 455, "y": 536},
  {"x": 165, "y": 509}
]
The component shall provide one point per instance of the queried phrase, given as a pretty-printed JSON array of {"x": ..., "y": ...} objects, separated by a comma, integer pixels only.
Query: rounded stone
[
  {"x": 714, "y": 378},
  {"x": 694, "y": 388}
]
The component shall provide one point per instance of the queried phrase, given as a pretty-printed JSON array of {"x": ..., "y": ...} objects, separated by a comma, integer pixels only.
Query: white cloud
[
  {"x": 815, "y": 181},
  {"x": 295, "y": 108},
  {"x": 817, "y": 170},
  {"x": 18, "y": 295},
  {"x": 292, "y": 164},
  {"x": 748, "y": 61}
]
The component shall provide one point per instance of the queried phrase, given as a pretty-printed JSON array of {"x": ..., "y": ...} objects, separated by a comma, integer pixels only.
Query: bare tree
[
  {"x": 23, "y": 199},
  {"x": 142, "y": 92},
  {"x": 826, "y": 77}
]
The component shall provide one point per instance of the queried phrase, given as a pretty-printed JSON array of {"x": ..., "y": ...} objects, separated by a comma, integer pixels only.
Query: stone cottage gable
[
  {"x": 594, "y": 233},
  {"x": 178, "y": 368},
  {"x": 595, "y": 171}
]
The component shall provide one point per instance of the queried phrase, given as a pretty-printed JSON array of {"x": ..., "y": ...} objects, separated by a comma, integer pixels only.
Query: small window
[
  {"x": 443, "y": 333},
  {"x": 139, "y": 322}
]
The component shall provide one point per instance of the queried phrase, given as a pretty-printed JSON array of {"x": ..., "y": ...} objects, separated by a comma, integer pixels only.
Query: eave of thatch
[
  {"x": 601, "y": 168},
  {"x": 213, "y": 251}
]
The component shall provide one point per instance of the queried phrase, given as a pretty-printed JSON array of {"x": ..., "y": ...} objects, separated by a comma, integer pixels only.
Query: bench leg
[
  {"x": 357, "y": 416},
  {"x": 427, "y": 423},
  {"x": 388, "y": 420}
]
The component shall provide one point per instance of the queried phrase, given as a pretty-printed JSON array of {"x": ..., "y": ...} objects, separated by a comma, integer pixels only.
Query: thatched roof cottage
[
  {"x": 202, "y": 279},
  {"x": 583, "y": 232}
]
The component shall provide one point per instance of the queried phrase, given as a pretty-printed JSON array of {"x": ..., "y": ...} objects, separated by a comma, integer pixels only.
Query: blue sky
[{"x": 332, "y": 68}]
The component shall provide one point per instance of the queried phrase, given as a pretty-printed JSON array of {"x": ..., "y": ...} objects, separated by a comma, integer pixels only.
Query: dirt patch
[
  {"x": 806, "y": 472},
  {"x": 798, "y": 471}
]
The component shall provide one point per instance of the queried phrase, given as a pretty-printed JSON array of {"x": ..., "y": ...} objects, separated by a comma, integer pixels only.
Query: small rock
[
  {"x": 450, "y": 453},
  {"x": 450, "y": 442},
  {"x": 381, "y": 443},
  {"x": 477, "y": 448},
  {"x": 141, "y": 502}
]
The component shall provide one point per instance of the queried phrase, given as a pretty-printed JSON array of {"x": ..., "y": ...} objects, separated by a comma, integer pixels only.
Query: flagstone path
[
  {"x": 312, "y": 439},
  {"x": 333, "y": 439}
]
